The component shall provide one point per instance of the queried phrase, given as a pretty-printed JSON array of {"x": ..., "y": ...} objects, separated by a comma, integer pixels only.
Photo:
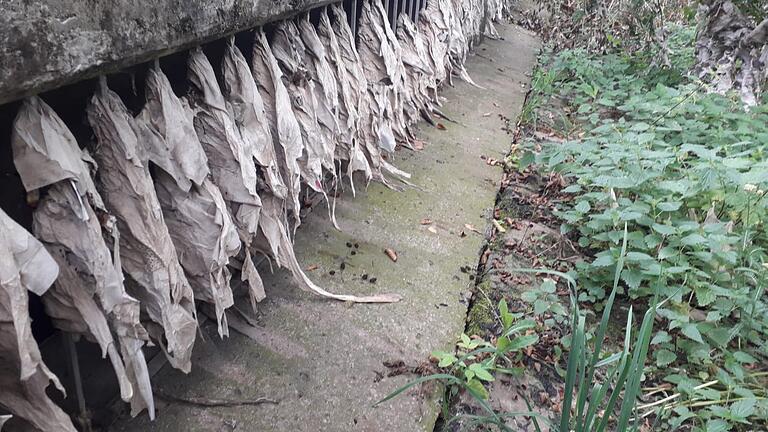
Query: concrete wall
[{"x": 49, "y": 43}]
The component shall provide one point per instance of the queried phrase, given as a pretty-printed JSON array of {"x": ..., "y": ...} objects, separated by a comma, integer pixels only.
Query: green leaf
[
  {"x": 540, "y": 306},
  {"x": 632, "y": 278},
  {"x": 445, "y": 359},
  {"x": 717, "y": 425},
  {"x": 548, "y": 286},
  {"x": 465, "y": 339},
  {"x": 665, "y": 357},
  {"x": 692, "y": 332},
  {"x": 743, "y": 357},
  {"x": 664, "y": 229},
  {"x": 743, "y": 408},
  {"x": 478, "y": 388},
  {"x": 604, "y": 261},
  {"x": 660, "y": 338},
  {"x": 582, "y": 207},
  {"x": 638, "y": 257},
  {"x": 667, "y": 252},
  {"x": 521, "y": 342},
  {"x": 693, "y": 240},
  {"x": 481, "y": 372},
  {"x": 669, "y": 206}
]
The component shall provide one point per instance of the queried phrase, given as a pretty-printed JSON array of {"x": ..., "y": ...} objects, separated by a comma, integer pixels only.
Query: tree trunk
[{"x": 731, "y": 50}]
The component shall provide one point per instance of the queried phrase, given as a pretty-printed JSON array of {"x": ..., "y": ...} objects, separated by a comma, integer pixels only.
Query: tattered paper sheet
[
  {"x": 194, "y": 210},
  {"x": 88, "y": 298},
  {"x": 325, "y": 89},
  {"x": 147, "y": 252},
  {"x": 274, "y": 236},
  {"x": 247, "y": 105},
  {"x": 368, "y": 122},
  {"x": 381, "y": 60},
  {"x": 318, "y": 137},
  {"x": 420, "y": 75},
  {"x": 230, "y": 159},
  {"x": 286, "y": 132},
  {"x": 25, "y": 265},
  {"x": 291, "y": 56},
  {"x": 348, "y": 115}
]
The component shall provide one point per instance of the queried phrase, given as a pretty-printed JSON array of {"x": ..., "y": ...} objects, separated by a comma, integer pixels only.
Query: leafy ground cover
[
  {"x": 629, "y": 257},
  {"x": 685, "y": 171}
]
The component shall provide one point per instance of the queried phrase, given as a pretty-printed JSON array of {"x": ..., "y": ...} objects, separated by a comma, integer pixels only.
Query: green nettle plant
[
  {"x": 596, "y": 405},
  {"x": 686, "y": 173},
  {"x": 475, "y": 360}
]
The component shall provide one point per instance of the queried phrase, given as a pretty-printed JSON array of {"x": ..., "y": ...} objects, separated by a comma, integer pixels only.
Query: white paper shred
[
  {"x": 348, "y": 116},
  {"x": 247, "y": 105},
  {"x": 230, "y": 159},
  {"x": 194, "y": 210},
  {"x": 25, "y": 265},
  {"x": 147, "y": 254},
  {"x": 420, "y": 75},
  {"x": 382, "y": 67},
  {"x": 291, "y": 56},
  {"x": 88, "y": 297},
  {"x": 286, "y": 132},
  {"x": 274, "y": 237},
  {"x": 366, "y": 124}
]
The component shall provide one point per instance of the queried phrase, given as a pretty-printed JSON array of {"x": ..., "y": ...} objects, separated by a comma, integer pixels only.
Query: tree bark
[{"x": 731, "y": 50}]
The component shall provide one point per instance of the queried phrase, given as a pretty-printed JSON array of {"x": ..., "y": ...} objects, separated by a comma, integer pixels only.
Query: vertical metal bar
[
  {"x": 74, "y": 364},
  {"x": 412, "y": 11},
  {"x": 354, "y": 20},
  {"x": 407, "y": 9},
  {"x": 395, "y": 13}
]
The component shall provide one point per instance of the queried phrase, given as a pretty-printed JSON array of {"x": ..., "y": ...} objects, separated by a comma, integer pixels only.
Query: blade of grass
[
  {"x": 450, "y": 378},
  {"x": 574, "y": 364},
  {"x": 600, "y": 336}
]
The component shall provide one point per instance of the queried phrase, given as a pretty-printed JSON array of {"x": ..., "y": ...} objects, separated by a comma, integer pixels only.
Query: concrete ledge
[{"x": 49, "y": 43}]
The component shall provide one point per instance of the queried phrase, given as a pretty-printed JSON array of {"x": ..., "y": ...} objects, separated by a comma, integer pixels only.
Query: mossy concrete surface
[{"x": 323, "y": 360}]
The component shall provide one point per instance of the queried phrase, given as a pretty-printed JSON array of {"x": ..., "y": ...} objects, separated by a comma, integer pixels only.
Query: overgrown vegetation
[
  {"x": 661, "y": 186},
  {"x": 686, "y": 171}
]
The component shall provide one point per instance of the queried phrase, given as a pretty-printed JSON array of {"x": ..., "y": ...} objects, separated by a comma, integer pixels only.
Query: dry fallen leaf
[
  {"x": 498, "y": 226},
  {"x": 426, "y": 221},
  {"x": 391, "y": 254},
  {"x": 440, "y": 126},
  {"x": 418, "y": 144},
  {"x": 432, "y": 229},
  {"x": 487, "y": 114},
  {"x": 312, "y": 267},
  {"x": 473, "y": 229}
]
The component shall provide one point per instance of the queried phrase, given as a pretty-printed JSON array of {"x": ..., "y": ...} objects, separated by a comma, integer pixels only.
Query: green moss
[{"x": 481, "y": 312}]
